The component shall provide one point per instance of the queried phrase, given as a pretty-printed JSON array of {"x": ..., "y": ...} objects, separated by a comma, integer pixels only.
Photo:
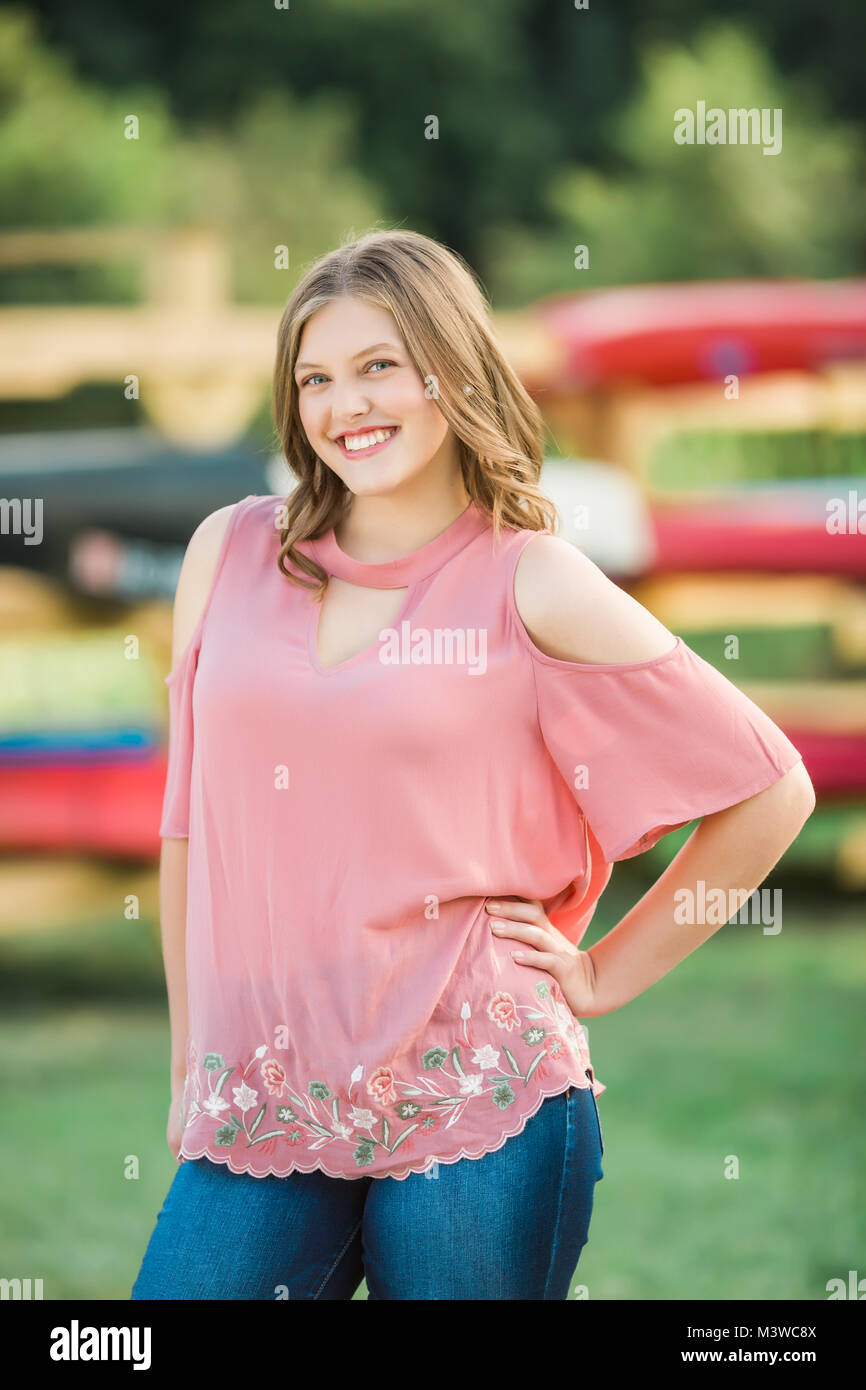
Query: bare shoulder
[
  {"x": 196, "y": 576},
  {"x": 572, "y": 611}
]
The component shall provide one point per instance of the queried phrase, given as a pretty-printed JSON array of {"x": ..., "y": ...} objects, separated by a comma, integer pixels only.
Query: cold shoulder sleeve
[
  {"x": 174, "y": 823},
  {"x": 646, "y": 747},
  {"x": 175, "y": 805}
]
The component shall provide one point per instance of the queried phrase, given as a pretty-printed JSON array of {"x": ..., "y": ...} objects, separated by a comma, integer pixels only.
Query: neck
[{"x": 381, "y": 528}]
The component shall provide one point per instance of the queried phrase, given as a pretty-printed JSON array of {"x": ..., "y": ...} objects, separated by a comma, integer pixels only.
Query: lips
[
  {"x": 370, "y": 429},
  {"x": 373, "y": 448}
]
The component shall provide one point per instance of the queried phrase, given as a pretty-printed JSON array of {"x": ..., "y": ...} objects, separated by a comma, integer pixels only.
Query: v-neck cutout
[
  {"x": 317, "y": 612},
  {"x": 405, "y": 572}
]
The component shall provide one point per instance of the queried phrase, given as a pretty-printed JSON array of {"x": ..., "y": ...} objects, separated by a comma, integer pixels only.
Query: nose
[{"x": 349, "y": 404}]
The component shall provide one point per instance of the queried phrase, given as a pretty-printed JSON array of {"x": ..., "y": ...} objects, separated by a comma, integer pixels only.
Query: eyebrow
[{"x": 362, "y": 353}]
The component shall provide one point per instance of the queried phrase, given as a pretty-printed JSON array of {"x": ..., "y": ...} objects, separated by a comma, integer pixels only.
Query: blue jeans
[{"x": 509, "y": 1225}]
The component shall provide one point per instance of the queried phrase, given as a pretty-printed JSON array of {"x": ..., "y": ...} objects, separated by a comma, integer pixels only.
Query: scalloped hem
[{"x": 421, "y": 1165}]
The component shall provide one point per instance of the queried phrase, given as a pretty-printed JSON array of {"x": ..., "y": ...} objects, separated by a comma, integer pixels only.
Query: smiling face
[{"x": 354, "y": 377}]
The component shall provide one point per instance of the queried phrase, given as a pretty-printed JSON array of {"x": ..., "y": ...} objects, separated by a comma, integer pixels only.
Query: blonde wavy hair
[{"x": 444, "y": 318}]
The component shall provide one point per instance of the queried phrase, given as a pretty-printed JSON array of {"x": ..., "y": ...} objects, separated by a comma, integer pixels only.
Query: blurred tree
[
  {"x": 675, "y": 212},
  {"x": 397, "y": 62},
  {"x": 305, "y": 125},
  {"x": 520, "y": 87},
  {"x": 282, "y": 174}
]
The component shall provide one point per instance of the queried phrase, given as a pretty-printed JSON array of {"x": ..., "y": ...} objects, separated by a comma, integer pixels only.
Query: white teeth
[{"x": 366, "y": 441}]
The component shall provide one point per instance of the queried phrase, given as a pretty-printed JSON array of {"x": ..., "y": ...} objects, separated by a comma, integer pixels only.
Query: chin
[
  {"x": 373, "y": 488},
  {"x": 375, "y": 480}
]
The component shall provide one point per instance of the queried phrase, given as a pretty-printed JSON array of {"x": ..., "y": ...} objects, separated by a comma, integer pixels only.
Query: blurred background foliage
[{"x": 554, "y": 126}]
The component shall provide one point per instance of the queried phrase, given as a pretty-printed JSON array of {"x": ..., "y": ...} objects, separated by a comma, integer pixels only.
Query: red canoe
[{"x": 662, "y": 335}]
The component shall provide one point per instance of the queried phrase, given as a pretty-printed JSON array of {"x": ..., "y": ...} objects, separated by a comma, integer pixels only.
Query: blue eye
[{"x": 379, "y": 362}]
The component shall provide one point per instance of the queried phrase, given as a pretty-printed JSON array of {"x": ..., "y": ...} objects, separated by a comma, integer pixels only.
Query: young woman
[{"x": 411, "y": 731}]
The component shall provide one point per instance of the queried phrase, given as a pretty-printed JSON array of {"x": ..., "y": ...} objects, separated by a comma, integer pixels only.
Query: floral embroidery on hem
[
  {"x": 428, "y": 1165},
  {"x": 450, "y": 1077}
]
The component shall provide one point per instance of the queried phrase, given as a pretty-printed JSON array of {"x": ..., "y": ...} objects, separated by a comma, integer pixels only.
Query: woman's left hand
[{"x": 543, "y": 945}]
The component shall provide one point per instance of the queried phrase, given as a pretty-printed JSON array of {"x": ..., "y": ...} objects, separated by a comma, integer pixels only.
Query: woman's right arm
[{"x": 193, "y": 586}]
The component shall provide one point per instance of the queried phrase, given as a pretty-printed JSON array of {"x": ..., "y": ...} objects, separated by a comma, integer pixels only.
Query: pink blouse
[{"x": 350, "y": 1009}]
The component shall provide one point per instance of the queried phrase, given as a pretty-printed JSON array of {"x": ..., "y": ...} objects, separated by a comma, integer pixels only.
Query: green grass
[{"x": 752, "y": 1047}]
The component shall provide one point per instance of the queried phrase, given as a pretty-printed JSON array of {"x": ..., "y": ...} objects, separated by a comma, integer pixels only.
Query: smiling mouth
[{"x": 371, "y": 448}]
